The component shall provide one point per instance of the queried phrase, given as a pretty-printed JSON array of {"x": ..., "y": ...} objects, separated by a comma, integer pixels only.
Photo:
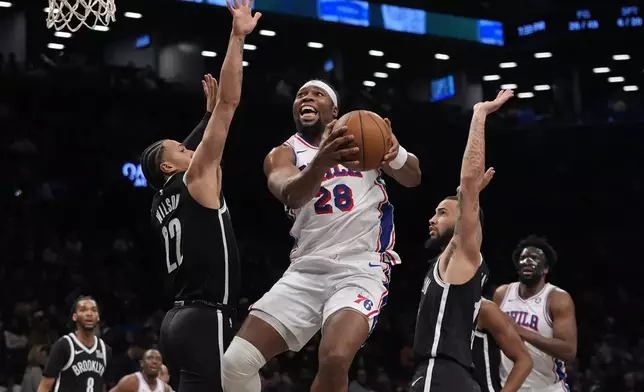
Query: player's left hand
[
  {"x": 392, "y": 153},
  {"x": 244, "y": 21},
  {"x": 210, "y": 88}
]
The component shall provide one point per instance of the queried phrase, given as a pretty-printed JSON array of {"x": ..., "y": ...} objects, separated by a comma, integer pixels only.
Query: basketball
[{"x": 371, "y": 135}]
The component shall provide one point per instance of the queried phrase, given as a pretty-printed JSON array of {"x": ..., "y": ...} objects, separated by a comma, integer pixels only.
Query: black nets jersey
[
  {"x": 201, "y": 256},
  {"x": 76, "y": 367},
  {"x": 487, "y": 360},
  {"x": 447, "y": 317}
]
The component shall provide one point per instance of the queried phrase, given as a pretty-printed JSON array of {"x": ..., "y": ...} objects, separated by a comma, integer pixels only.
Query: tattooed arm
[{"x": 467, "y": 233}]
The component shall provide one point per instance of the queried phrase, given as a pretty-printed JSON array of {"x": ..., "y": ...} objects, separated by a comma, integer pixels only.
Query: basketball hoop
[{"x": 72, "y": 14}]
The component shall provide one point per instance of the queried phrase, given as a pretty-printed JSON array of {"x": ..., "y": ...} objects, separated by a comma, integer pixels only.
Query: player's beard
[
  {"x": 441, "y": 240},
  {"x": 533, "y": 279},
  {"x": 311, "y": 131}
]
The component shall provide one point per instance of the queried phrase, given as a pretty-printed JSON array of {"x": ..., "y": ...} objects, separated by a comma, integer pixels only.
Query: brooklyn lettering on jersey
[
  {"x": 88, "y": 365},
  {"x": 524, "y": 319},
  {"x": 166, "y": 206},
  {"x": 337, "y": 171}
]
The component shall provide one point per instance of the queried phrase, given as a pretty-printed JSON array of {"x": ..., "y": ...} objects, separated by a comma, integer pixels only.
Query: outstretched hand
[
  {"x": 492, "y": 106},
  {"x": 210, "y": 88},
  {"x": 244, "y": 21}
]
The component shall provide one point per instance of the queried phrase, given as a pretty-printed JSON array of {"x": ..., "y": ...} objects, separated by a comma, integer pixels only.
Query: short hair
[
  {"x": 481, "y": 216},
  {"x": 541, "y": 243},
  {"x": 78, "y": 300},
  {"x": 151, "y": 160}
]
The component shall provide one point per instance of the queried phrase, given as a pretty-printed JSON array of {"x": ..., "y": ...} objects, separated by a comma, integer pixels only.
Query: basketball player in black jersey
[
  {"x": 78, "y": 361},
  {"x": 494, "y": 332},
  {"x": 191, "y": 218},
  {"x": 451, "y": 293}
]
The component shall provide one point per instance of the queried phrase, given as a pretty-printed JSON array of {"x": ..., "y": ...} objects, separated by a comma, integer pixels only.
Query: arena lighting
[
  {"x": 62, "y": 34},
  {"x": 393, "y": 65},
  {"x": 133, "y": 15},
  {"x": 101, "y": 28},
  {"x": 376, "y": 53},
  {"x": 542, "y": 55},
  {"x": 250, "y": 47},
  {"x": 601, "y": 70},
  {"x": 510, "y": 64},
  {"x": 315, "y": 45},
  {"x": 245, "y": 63},
  {"x": 55, "y": 46},
  {"x": 380, "y": 75},
  {"x": 208, "y": 53},
  {"x": 525, "y": 95},
  {"x": 616, "y": 79},
  {"x": 631, "y": 88},
  {"x": 267, "y": 33},
  {"x": 542, "y": 87},
  {"x": 621, "y": 57},
  {"x": 509, "y": 86},
  {"x": 5, "y": 4},
  {"x": 369, "y": 83},
  {"x": 490, "y": 78},
  {"x": 441, "y": 56}
]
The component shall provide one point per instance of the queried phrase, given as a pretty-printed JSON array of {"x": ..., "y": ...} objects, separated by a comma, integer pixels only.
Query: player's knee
[
  {"x": 336, "y": 359},
  {"x": 241, "y": 360}
]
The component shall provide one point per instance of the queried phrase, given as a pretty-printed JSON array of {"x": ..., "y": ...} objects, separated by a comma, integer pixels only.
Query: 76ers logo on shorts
[{"x": 366, "y": 302}]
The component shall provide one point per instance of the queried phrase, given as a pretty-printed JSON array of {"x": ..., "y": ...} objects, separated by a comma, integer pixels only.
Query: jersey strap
[{"x": 71, "y": 353}]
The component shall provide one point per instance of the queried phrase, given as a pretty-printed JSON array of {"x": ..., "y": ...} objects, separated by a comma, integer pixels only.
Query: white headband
[{"x": 323, "y": 86}]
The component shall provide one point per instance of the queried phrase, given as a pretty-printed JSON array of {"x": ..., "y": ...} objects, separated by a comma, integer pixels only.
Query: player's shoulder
[
  {"x": 63, "y": 343},
  {"x": 559, "y": 297},
  {"x": 500, "y": 293},
  {"x": 129, "y": 382}
]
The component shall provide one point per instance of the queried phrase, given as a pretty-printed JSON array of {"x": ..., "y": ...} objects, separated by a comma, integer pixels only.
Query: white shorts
[{"x": 314, "y": 288}]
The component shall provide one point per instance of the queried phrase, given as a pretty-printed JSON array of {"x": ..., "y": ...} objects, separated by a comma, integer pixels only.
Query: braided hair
[
  {"x": 75, "y": 308},
  {"x": 151, "y": 160}
]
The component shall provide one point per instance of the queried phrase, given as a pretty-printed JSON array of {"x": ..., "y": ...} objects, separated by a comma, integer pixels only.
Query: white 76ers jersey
[
  {"x": 350, "y": 215},
  {"x": 532, "y": 313}
]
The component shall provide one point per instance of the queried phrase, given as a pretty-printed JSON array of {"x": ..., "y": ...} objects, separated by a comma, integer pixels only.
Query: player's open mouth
[
  {"x": 527, "y": 271},
  {"x": 308, "y": 113}
]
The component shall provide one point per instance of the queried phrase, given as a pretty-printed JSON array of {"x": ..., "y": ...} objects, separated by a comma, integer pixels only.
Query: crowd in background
[{"x": 72, "y": 223}]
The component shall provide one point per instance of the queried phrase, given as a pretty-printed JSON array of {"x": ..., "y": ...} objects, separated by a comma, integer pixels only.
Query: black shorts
[
  {"x": 192, "y": 341},
  {"x": 442, "y": 375}
]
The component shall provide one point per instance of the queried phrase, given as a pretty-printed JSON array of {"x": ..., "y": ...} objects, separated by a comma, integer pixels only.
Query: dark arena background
[{"x": 76, "y": 110}]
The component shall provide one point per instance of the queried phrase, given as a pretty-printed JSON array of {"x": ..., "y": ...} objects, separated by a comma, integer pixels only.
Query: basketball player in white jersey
[
  {"x": 344, "y": 236},
  {"x": 545, "y": 315},
  {"x": 148, "y": 379}
]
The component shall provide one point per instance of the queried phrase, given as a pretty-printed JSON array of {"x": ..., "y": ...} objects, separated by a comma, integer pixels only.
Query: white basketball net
[{"x": 72, "y": 14}]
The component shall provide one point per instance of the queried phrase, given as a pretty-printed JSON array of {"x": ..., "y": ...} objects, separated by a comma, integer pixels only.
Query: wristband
[{"x": 400, "y": 159}]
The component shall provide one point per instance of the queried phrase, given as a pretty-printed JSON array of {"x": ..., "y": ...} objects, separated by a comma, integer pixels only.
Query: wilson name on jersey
[
  {"x": 350, "y": 215},
  {"x": 448, "y": 315},
  {"x": 532, "y": 313},
  {"x": 201, "y": 256},
  {"x": 85, "y": 368}
]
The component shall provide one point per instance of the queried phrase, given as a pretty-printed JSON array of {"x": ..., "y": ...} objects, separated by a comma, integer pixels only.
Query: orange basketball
[{"x": 371, "y": 135}]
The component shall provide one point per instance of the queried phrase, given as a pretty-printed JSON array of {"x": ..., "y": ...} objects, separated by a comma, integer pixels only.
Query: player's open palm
[
  {"x": 244, "y": 21},
  {"x": 335, "y": 148},
  {"x": 492, "y": 106}
]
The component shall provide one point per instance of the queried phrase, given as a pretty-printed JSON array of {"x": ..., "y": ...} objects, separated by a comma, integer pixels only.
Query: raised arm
[
  {"x": 563, "y": 344},
  {"x": 473, "y": 179},
  {"x": 210, "y": 88},
  {"x": 203, "y": 175},
  {"x": 295, "y": 188},
  {"x": 493, "y": 320}
]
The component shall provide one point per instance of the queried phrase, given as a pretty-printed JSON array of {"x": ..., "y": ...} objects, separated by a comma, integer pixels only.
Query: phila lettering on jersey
[
  {"x": 350, "y": 215},
  {"x": 144, "y": 387},
  {"x": 533, "y": 313}
]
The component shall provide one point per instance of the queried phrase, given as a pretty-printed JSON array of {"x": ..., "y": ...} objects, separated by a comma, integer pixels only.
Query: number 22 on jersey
[
  {"x": 172, "y": 237},
  {"x": 341, "y": 197}
]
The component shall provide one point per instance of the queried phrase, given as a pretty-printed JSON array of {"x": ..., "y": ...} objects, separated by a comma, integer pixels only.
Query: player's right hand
[
  {"x": 335, "y": 148},
  {"x": 244, "y": 21},
  {"x": 492, "y": 106}
]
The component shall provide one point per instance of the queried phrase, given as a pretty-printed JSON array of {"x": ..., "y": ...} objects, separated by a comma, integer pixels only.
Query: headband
[{"x": 323, "y": 86}]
